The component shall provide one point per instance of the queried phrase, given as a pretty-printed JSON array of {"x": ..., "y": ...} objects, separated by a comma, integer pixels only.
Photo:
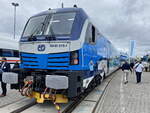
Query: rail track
[
  {"x": 19, "y": 110},
  {"x": 72, "y": 105},
  {"x": 75, "y": 103},
  {"x": 68, "y": 108}
]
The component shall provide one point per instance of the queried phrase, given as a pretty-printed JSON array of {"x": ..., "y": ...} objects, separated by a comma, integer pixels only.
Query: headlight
[{"x": 74, "y": 58}]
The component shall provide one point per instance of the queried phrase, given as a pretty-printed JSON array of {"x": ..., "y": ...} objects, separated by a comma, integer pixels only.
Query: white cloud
[{"x": 118, "y": 20}]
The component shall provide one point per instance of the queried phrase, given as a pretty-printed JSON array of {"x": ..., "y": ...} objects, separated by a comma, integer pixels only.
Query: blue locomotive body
[{"x": 62, "y": 50}]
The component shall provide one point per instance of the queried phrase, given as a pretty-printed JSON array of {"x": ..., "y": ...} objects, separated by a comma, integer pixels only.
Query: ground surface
[
  {"x": 12, "y": 96},
  {"x": 115, "y": 98},
  {"x": 126, "y": 98}
]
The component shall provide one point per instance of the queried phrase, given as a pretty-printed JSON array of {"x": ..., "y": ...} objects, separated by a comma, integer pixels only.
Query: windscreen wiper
[
  {"x": 31, "y": 37},
  {"x": 52, "y": 36}
]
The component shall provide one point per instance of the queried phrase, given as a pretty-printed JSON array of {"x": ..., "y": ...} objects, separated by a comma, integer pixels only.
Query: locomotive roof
[
  {"x": 62, "y": 10},
  {"x": 8, "y": 43}
]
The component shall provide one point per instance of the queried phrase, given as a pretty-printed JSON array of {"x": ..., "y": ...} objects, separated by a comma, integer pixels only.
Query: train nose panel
[
  {"x": 45, "y": 55},
  {"x": 45, "y": 47},
  {"x": 58, "y": 61},
  {"x": 45, "y": 61}
]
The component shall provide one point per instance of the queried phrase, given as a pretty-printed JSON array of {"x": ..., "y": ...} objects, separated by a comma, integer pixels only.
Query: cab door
[{"x": 90, "y": 52}]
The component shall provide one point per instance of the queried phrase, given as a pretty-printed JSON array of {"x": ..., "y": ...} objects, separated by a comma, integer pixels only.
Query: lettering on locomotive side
[{"x": 58, "y": 45}]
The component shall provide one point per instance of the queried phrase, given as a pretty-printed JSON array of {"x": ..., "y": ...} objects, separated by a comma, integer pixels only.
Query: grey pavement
[
  {"x": 126, "y": 98},
  {"x": 12, "y": 96},
  {"x": 90, "y": 102}
]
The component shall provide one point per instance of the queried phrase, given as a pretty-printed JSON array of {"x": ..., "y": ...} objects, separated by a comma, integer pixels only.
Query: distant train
[
  {"x": 9, "y": 48},
  {"x": 62, "y": 54}
]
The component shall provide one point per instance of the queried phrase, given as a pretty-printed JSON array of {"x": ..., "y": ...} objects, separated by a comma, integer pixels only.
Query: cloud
[{"x": 118, "y": 20}]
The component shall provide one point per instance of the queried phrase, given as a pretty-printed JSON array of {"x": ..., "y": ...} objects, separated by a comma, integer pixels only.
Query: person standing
[
  {"x": 15, "y": 67},
  {"x": 4, "y": 67},
  {"x": 126, "y": 68},
  {"x": 138, "y": 70},
  {"x": 149, "y": 63}
]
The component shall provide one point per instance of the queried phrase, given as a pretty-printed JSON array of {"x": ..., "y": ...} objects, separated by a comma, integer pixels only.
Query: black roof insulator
[
  {"x": 49, "y": 9},
  {"x": 75, "y": 5}
]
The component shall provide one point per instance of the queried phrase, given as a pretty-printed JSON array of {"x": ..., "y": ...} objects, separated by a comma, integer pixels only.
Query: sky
[{"x": 118, "y": 20}]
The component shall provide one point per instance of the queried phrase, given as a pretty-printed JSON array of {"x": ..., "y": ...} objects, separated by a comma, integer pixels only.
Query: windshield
[
  {"x": 60, "y": 24},
  {"x": 55, "y": 25},
  {"x": 34, "y": 26}
]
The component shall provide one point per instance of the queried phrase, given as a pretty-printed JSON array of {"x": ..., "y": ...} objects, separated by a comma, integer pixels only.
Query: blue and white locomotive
[{"x": 62, "y": 54}]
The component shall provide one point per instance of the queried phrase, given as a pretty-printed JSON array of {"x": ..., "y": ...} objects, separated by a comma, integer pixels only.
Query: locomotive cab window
[
  {"x": 9, "y": 53},
  {"x": 16, "y": 53},
  {"x": 0, "y": 52},
  {"x": 90, "y": 34},
  {"x": 93, "y": 34},
  {"x": 52, "y": 25}
]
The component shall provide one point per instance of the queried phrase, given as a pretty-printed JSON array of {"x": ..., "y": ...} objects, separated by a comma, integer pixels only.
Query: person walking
[
  {"x": 132, "y": 65},
  {"x": 126, "y": 68},
  {"x": 4, "y": 67},
  {"x": 146, "y": 65},
  {"x": 138, "y": 67}
]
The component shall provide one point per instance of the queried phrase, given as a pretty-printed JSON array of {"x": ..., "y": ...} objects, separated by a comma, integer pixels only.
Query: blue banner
[{"x": 132, "y": 48}]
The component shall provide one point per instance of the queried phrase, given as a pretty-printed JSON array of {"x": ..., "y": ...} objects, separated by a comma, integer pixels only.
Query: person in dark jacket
[
  {"x": 132, "y": 65},
  {"x": 126, "y": 68},
  {"x": 15, "y": 68},
  {"x": 4, "y": 67}
]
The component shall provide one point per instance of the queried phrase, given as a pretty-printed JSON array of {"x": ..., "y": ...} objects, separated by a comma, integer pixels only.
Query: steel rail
[
  {"x": 75, "y": 103},
  {"x": 23, "y": 108}
]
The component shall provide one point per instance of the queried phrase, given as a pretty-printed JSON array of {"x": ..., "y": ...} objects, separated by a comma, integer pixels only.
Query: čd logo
[{"x": 41, "y": 47}]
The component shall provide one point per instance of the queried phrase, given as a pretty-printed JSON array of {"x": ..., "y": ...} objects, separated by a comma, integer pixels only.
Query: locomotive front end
[{"x": 50, "y": 51}]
